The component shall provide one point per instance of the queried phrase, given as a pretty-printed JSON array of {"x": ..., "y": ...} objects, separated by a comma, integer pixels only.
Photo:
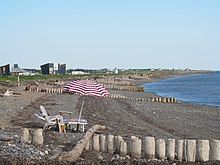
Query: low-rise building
[
  {"x": 5, "y": 70},
  {"x": 51, "y": 68}
]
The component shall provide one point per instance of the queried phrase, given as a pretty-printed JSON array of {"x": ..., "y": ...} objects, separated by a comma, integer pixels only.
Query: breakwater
[
  {"x": 150, "y": 148},
  {"x": 114, "y": 96}
]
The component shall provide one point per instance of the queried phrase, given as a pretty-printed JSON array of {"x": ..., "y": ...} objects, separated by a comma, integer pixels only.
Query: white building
[{"x": 79, "y": 73}]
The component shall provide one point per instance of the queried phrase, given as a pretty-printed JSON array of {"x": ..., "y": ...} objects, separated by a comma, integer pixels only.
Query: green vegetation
[
  {"x": 94, "y": 74},
  {"x": 33, "y": 78}
]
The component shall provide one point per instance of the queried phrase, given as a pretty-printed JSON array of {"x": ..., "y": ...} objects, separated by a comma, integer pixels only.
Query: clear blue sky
[{"x": 111, "y": 33}]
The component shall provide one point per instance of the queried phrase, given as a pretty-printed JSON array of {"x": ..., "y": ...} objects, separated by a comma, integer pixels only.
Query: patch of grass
[{"x": 32, "y": 78}]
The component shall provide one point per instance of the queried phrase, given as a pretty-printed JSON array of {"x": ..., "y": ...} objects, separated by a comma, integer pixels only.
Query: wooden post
[
  {"x": 160, "y": 99},
  {"x": 149, "y": 147},
  {"x": 215, "y": 150},
  {"x": 203, "y": 150},
  {"x": 164, "y": 99},
  {"x": 136, "y": 148},
  {"x": 190, "y": 150},
  {"x": 171, "y": 149},
  {"x": 25, "y": 135},
  {"x": 161, "y": 149},
  {"x": 103, "y": 141},
  {"x": 96, "y": 145},
  {"x": 38, "y": 137},
  {"x": 118, "y": 141},
  {"x": 123, "y": 148},
  {"x": 110, "y": 144},
  {"x": 180, "y": 150}
]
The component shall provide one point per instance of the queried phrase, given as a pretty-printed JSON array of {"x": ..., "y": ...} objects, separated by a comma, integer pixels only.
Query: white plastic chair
[{"x": 49, "y": 120}]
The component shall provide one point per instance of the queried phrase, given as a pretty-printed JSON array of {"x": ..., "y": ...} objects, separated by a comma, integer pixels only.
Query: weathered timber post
[
  {"x": 123, "y": 148},
  {"x": 103, "y": 140},
  {"x": 171, "y": 149},
  {"x": 161, "y": 149},
  {"x": 180, "y": 150},
  {"x": 164, "y": 99},
  {"x": 190, "y": 150},
  {"x": 152, "y": 99},
  {"x": 203, "y": 150},
  {"x": 38, "y": 137},
  {"x": 25, "y": 135},
  {"x": 96, "y": 145},
  {"x": 149, "y": 147},
  {"x": 118, "y": 141},
  {"x": 215, "y": 150},
  {"x": 136, "y": 148},
  {"x": 110, "y": 144},
  {"x": 160, "y": 99}
]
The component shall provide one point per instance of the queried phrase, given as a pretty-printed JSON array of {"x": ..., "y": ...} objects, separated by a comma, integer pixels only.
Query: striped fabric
[{"x": 86, "y": 87}]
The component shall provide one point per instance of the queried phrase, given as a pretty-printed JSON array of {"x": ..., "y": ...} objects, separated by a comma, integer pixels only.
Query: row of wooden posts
[
  {"x": 124, "y": 88},
  {"x": 115, "y": 96},
  {"x": 47, "y": 90},
  {"x": 181, "y": 150},
  {"x": 164, "y": 100},
  {"x": 153, "y": 99},
  {"x": 60, "y": 90},
  {"x": 34, "y": 136},
  {"x": 112, "y": 81}
]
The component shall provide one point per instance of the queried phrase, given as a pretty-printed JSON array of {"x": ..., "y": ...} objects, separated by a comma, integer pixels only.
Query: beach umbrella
[{"x": 86, "y": 88}]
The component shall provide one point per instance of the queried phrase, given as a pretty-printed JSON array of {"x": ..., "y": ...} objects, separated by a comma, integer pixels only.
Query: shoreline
[{"x": 146, "y": 81}]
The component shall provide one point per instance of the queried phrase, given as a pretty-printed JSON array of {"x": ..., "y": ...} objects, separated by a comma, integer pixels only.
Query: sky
[{"x": 95, "y": 34}]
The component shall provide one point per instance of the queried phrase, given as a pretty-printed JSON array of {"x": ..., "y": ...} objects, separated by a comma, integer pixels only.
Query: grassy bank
[{"x": 133, "y": 74}]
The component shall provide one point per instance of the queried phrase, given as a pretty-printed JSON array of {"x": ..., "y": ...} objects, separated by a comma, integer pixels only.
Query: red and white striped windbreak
[{"x": 86, "y": 87}]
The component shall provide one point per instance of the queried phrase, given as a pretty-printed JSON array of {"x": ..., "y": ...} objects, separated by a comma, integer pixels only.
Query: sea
[{"x": 199, "y": 88}]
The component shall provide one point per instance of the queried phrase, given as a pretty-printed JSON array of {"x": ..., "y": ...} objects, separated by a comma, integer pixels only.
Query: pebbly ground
[{"x": 121, "y": 117}]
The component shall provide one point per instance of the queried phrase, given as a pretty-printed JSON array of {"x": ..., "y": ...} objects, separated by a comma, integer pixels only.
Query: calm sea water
[{"x": 199, "y": 89}]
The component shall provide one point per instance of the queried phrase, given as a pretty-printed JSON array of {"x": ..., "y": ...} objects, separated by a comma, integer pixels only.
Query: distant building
[
  {"x": 16, "y": 66},
  {"x": 61, "y": 68},
  {"x": 5, "y": 70},
  {"x": 47, "y": 69},
  {"x": 51, "y": 68},
  {"x": 78, "y": 73}
]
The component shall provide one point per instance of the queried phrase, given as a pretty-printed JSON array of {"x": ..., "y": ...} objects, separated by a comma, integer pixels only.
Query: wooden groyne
[
  {"x": 124, "y": 87},
  {"x": 150, "y": 148},
  {"x": 47, "y": 90},
  {"x": 113, "y": 96},
  {"x": 164, "y": 100}
]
